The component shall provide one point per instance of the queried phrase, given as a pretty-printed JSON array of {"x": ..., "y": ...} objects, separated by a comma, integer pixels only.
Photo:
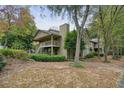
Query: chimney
[{"x": 64, "y": 29}]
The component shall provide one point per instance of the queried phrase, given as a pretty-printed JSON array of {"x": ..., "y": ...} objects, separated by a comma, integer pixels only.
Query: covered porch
[{"x": 49, "y": 44}]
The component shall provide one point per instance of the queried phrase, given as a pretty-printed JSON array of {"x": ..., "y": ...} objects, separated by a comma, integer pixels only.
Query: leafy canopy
[
  {"x": 19, "y": 34},
  {"x": 70, "y": 41}
]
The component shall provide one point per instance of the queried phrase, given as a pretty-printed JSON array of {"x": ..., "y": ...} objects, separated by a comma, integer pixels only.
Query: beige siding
[
  {"x": 40, "y": 35},
  {"x": 64, "y": 29}
]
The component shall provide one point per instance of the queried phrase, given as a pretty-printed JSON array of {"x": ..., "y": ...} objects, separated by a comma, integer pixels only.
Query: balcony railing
[{"x": 48, "y": 43}]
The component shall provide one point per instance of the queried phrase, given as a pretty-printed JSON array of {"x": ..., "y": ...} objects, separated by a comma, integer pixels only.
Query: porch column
[
  {"x": 38, "y": 47},
  {"x": 51, "y": 44}
]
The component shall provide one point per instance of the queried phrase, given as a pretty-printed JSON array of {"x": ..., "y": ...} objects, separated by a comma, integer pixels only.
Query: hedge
[
  {"x": 47, "y": 58},
  {"x": 2, "y": 62},
  {"x": 19, "y": 54},
  {"x": 91, "y": 55}
]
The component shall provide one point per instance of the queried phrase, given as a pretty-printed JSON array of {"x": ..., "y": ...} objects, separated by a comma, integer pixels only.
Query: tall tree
[
  {"x": 26, "y": 21},
  {"x": 70, "y": 43},
  {"x": 19, "y": 33},
  {"x": 8, "y": 16},
  {"x": 94, "y": 32},
  {"x": 117, "y": 36},
  {"x": 79, "y": 15},
  {"x": 25, "y": 28},
  {"x": 107, "y": 17}
]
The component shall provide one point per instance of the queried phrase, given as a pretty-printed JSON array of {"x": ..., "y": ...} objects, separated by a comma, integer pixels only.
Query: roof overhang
[{"x": 42, "y": 35}]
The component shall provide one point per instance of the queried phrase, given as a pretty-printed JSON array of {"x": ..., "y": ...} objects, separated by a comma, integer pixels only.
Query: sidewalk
[{"x": 121, "y": 82}]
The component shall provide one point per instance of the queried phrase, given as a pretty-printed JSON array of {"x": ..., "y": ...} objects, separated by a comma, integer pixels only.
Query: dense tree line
[
  {"x": 70, "y": 44},
  {"x": 79, "y": 15},
  {"x": 107, "y": 24},
  {"x": 17, "y": 27}
]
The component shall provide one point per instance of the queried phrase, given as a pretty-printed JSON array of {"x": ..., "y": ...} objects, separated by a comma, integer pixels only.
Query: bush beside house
[
  {"x": 19, "y": 54},
  {"x": 47, "y": 58},
  {"x": 91, "y": 55}
]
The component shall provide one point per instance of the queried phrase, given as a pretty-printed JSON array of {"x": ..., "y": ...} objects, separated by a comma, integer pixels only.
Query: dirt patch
[{"x": 59, "y": 74}]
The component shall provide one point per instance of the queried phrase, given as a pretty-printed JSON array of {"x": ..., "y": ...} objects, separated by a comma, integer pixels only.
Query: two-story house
[{"x": 52, "y": 42}]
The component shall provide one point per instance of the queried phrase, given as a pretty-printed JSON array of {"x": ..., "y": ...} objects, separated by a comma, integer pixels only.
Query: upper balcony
[{"x": 54, "y": 43}]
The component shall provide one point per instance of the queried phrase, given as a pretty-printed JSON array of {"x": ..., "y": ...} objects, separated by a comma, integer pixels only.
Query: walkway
[{"x": 120, "y": 83}]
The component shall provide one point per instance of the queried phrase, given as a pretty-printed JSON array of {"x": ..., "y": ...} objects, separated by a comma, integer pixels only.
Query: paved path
[{"x": 120, "y": 83}]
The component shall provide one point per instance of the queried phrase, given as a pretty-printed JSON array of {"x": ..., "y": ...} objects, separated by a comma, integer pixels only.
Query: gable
[{"x": 40, "y": 34}]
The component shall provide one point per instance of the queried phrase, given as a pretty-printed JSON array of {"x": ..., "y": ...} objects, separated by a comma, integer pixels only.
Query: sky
[{"x": 46, "y": 21}]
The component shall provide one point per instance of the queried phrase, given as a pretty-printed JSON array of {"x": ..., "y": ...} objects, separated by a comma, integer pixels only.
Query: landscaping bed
[{"x": 19, "y": 73}]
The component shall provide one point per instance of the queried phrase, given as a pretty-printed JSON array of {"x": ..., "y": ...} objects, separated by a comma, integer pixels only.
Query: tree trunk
[
  {"x": 105, "y": 54},
  {"x": 79, "y": 31},
  {"x": 118, "y": 50},
  {"x": 113, "y": 52},
  {"x": 98, "y": 46},
  {"x": 105, "y": 48},
  {"x": 77, "y": 52},
  {"x": 121, "y": 52}
]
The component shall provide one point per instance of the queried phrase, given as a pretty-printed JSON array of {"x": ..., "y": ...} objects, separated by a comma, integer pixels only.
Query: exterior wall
[
  {"x": 48, "y": 44},
  {"x": 90, "y": 46},
  {"x": 40, "y": 34},
  {"x": 64, "y": 29},
  {"x": 86, "y": 50}
]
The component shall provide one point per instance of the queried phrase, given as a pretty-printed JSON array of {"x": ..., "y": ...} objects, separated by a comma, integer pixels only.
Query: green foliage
[
  {"x": 20, "y": 33},
  {"x": 91, "y": 55},
  {"x": 19, "y": 54},
  {"x": 94, "y": 30},
  {"x": 2, "y": 62},
  {"x": 20, "y": 42},
  {"x": 108, "y": 26},
  {"x": 47, "y": 58},
  {"x": 70, "y": 41}
]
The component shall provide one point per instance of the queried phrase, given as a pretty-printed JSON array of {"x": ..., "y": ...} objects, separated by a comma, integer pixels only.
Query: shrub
[
  {"x": 2, "y": 62},
  {"x": 91, "y": 55},
  {"x": 101, "y": 55},
  {"x": 47, "y": 58},
  {"x": 19, "y": 54}
]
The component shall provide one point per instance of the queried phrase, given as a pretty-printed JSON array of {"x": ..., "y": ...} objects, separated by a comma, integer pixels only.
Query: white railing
[{"x": 48, "y": 43}]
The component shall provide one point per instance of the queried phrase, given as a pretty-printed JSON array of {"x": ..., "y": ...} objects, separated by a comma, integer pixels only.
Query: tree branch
[{"x": 86, "y": 13}]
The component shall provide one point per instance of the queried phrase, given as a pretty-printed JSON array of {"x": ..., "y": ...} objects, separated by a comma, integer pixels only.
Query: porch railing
[{"x": 48, "y": 43}]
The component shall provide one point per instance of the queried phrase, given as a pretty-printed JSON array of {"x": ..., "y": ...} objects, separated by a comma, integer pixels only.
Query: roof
[
  {"x": 45, "y": 33},
  {"x": 52, "y": 31},
  {"x": 94, "y": 40}
]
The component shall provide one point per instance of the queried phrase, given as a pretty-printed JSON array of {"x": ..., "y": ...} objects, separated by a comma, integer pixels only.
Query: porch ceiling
[
  {"x": 49, "y": 46},
  {"x": 42, "y": 35},
  {"x": 46, "y": 38}
]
